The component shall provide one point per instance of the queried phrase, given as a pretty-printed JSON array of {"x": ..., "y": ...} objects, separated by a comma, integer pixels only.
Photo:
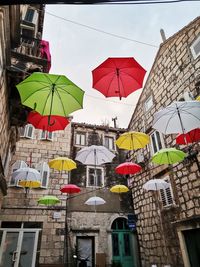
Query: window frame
[
  {"x": 78, "y": 137},
  {"x": 157, "y": 145},
  {"x": 22, "y": 164},
  {"x": 1, "y": 46},
  {"x": 88, "y": 167},
  {"x": 48, "y": 135},
  {"x": 149, "y": 99},
  {"x": 43, "y": 167},
  {"x": 25, "y": 133},
  {"x": 166, "y": 195},
  {"x": 196, "y": 41},
  {"x": 113, "y": 148}
]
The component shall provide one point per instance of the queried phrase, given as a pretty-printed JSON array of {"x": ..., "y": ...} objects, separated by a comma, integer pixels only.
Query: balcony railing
[{"x": 29, "y": 46}]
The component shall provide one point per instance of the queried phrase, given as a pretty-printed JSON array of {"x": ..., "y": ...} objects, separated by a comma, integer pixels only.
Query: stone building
[
  {"x": 54, "y": 234},
  {"x": 16, "y": 34},
  {"x": 168, "y": 221}
]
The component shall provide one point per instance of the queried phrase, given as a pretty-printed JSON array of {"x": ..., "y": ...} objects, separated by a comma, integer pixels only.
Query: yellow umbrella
[
  {"x": 198, "y": 98},
  {"x": 119, "y": 188},
  {"x": 132, "y": 140},
  {"x": 62, "y": 164},
  {"x": 29, "y": 184}
]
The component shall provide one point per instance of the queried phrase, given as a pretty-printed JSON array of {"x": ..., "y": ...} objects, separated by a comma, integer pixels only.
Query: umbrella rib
[
  {"x": 110, "y": 83},
  {"x": 71, "y": 94},
  {"x": 131, "y": 77},
  {"x": 35, "y": 93},
  {"x": 46, "y": 101},
  {"x": 61, "y": 102},
  {"x": 105, "y": 74}
]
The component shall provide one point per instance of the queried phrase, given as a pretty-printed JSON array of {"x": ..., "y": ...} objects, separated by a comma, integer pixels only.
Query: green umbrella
[
  {"x": 48, "y": 200},
  {"x": 50, "y": 94},
  {"x": 168, "y": 156}
]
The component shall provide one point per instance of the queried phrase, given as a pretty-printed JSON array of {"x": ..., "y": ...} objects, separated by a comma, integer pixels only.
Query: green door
[{"x": 122, "y": 248}]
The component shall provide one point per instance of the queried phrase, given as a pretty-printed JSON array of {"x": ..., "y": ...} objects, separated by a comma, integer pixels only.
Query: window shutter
[
  {"x": 163, "y": 198},
  {"x": 44, "y": 171},
  {"x": 166, "y": 195},
  {"x": 29, "y": 131},
  {"x": 17, "y": 165}
]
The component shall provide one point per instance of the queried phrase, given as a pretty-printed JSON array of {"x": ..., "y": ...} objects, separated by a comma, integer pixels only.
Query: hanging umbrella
[
  {"x": 48, "y": 200},
  {"x": 128, "y": 168},
  {"x": 155, "y": 185},
  {"x": 119, "y": 189},
  {"x": 95, "y": 201},
  {"x": 190, "y": 137},
  {"x": 70, "y": 189},
  {"x": 54, "y": 123},
  {"x": 62, "y": 163},
  {"x": 118, "y": 77},
  {"x": 132, "y": 140},
  {"x": 168, "y": 156},
  {"x": 179, "y": 117},
  {"x": 27, "y": 177},
  {"x": 50, "y": 94},
  {"x": 198, "y": 98},
  {"x": 94, "y": 155}
]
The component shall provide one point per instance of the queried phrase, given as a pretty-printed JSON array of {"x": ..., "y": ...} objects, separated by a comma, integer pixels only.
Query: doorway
[
  {"x": 192, "y": 240},
  {"x": 18, "y": 247},
  {"x": 122, "y": 244},
  {"x": 85, "y": 250}
]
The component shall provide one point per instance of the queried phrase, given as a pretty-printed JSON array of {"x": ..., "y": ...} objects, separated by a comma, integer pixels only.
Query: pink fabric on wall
[{"x": 45, "y": 52}]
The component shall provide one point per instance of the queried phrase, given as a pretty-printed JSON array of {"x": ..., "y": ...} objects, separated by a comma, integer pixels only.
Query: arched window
[
  {"x": 17, "y": 165},
  {"x": 44, "y": 171},
  {"x": 120, "y": 224}
]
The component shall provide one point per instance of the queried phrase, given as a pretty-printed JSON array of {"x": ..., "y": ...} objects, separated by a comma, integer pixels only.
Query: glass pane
[
  {"x": 158, "y": 140},
  {"x": 154, "y": 143},
  {"x": 8, "y": 250},
  {"x": 99, "y": 178},
  {"x": 85, "y": 250},
  {"x": 44, "y": 178},
  {"x": 26, "y": 254},
  {"x": 127, "y": 250},
  {"x": 115, "y": 244},
  {"x": 82, "y": 136}
]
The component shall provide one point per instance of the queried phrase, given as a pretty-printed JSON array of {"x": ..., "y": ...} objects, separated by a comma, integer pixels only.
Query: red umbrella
[
  {"x": 128, "y": 168},
  {"x": 47, "y": 123},
  {"x": 70, "y": 189},
  {"x": 190, "y": 137},
  {"x": 118, "y": 77}
]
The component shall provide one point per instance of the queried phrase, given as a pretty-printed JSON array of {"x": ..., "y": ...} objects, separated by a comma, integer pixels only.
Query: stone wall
[{"x": 174, "y": 72}]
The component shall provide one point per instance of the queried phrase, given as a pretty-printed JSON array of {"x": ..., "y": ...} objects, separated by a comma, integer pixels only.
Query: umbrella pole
[
  {"x": 117, "y": 72},
  {"x": 66, "y": 236},
  {"x": 51, "y": 105}
]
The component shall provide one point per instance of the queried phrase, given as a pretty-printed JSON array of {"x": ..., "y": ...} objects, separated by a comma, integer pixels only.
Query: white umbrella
[
  {"x": 26, "y": 174},
  {"x": 94, "y": 201},
  {"x": 179, "y": 117},
  {"x": 155, "y": 184},
  {"x": 94, "y": 155}
]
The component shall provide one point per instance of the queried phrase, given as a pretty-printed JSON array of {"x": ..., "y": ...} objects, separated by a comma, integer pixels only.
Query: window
[
  {"x": 1, "y": 45},
  {"x": 80, "y": 139},
  {"x": 91, "y": 181},
  {"x": 186, "y": 96},
  {"x": 156, "y": 142},
  {"x": 109, "y": 142},
  {"x": 31, "y": 15},
  {"x": 17, "y": 165},
  {"x": 148, "y": 103},
  {"x": 44, "y": 171},
  {"x": 27, "y": 131},
  {"x": 45, "y": 135},
  {"x": 167, "y": 195},
  {"x": 195, "y": 48}
]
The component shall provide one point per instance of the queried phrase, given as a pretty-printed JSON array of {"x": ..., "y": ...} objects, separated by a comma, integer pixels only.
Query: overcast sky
[{"x": 77, "y": 50}]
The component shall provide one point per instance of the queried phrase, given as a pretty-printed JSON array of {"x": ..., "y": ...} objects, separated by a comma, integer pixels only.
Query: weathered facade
[
  {"x": 169, "y": 220},
  {"x": 71, "y": 228},
  {"x": 11, "y": 72}
]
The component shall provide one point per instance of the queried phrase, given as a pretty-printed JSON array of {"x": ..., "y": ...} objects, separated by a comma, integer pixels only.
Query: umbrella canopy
[
  {"x": 62, "y": 164},
  {"x": 198, "y": 98},
  {"x": 128, "y": 168},
  {"x": 27, "y": 177},
  {"x": 132, "y": 140},
  {"x": 179, "y": 117},
  {"x": 168, "y": 156},
  {"x": 118, "y": 77},
  {"x": 119, "y": 188},
  {"x": 94, "y": 201},
  {"x": 94, "y": 155},
  {"x": 48, "y": 200},
  {"x": 46, "y": 123},
  {"x": 190, "y": 137},
  {"x": 50, "y": 94},
  {"x": 70, "y": 189},
  {"x": 155, "y": 185}
]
